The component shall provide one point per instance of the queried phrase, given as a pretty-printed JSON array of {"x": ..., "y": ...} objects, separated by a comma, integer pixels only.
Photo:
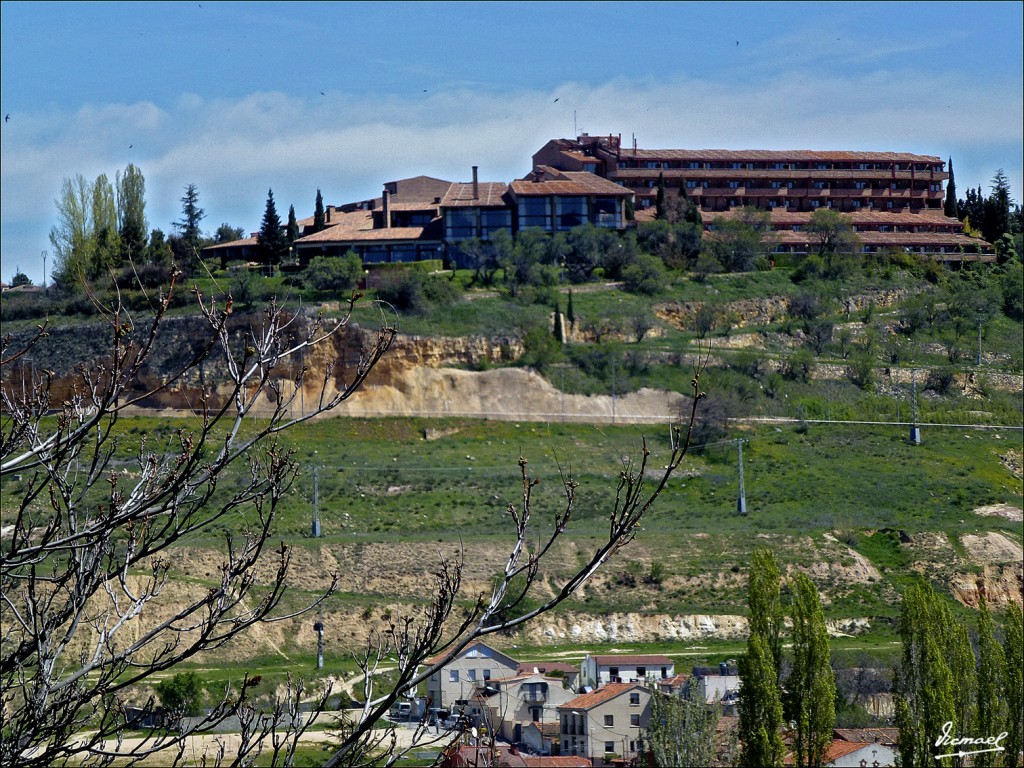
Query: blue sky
[{"x": 238, "y": 98}]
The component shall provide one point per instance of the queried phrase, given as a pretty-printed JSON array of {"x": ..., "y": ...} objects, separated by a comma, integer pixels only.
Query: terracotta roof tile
[
  {"x": 765, "y": 155},
  {"x": 600, "y": 696},
  {"x": 569, "y": 183},
  {"x": 489, "y": 194}
]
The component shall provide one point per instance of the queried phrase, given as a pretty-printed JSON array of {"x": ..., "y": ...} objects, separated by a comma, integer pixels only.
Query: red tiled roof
[
  {"x": 489, "y": 194},
  {"x": 926, "y": 217},
  {"x": 836, "y": 750},
  {"x": 885, "y": 736},
  {"x": 234, "y": 243},
  {"x": 557, "y": 761},
  {"x": 569, "y": 183},
  {"x": 762, "y": 155},
  {"x": 600, "y": 696}
]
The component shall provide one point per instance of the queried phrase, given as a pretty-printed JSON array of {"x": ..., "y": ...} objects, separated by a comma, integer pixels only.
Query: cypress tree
[
  {"x": 319, "y": 219},
  {"x": 569, "y": 313},
  {"x": 950, "y": 208},
  {"x": 558, "y": 324},
  {"x": 660, "y": 209},
  {"x": 811, "y": 687},
  {"x": 293, "y": 225}
]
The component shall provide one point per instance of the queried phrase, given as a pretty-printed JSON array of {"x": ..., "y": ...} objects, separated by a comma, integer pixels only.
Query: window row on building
[{"x": 894, "y": 201}]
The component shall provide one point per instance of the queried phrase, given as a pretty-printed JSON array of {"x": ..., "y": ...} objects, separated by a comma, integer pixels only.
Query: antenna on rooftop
[{"x": 574, "y": 132}]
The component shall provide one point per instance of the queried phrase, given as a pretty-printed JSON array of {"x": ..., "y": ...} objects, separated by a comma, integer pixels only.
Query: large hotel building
[{"x": 892, "y": 199}]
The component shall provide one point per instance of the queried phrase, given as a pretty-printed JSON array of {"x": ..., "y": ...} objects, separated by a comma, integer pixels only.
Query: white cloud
[{"x": 234, "y": 149}]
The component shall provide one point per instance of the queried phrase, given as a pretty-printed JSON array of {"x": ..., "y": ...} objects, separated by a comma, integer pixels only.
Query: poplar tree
[
  {"x": 681, "y": 732},
  {"x": 760, "y": 707},
  {"x": 1013, "y": 686},
  {"x": 107, "y": 242},
  {"x": 760, "y": 701},
  {"x": 990, "y": 713},
  {"x": 923, "y": 684},
  {"x": 963, "y": 674},
  {"x": 811, "y": 686},
  {"x": 131, "y": 213},
  {"x": 764, "y": 599},
  {"x": 71, "y": 236}
]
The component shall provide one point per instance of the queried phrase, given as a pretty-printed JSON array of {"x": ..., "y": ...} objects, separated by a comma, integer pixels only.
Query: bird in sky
[
  {"x": 7, "y": 118},
  {"x": 556, "y": 100}
]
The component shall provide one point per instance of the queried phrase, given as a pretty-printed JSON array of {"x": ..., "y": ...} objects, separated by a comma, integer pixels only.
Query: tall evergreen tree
[
  {"x": 923, "y": 683},
  {"x": 990, "y": 713},
  {"x": 1013, "y": 685},
  {"x": 273, "y": 240},
  {"x": 293, "y": 226},
  {"x": 131, "y": 213},
  {"x": 570, "y": 313},
  {"x": 660, "y": 208},
  {"x": 188, "y": 226},
  {"x": 319, "y": 219},
  {"x": 811, "y": 686},
  {"x": 950, "y": 208}
]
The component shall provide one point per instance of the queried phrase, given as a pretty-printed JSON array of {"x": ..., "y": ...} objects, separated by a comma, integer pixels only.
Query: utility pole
[
  {"x": 318, "y": 625},
  {"x": 741, "y": 498},
  {"x": 316, "y": 503},
  {"x": 915, "y": 431}
]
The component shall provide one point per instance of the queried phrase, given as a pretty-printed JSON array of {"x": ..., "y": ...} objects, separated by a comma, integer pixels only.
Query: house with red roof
[{"x": 606, "y": 724}]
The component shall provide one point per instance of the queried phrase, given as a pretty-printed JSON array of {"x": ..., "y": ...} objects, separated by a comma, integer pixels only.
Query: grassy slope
[{"x": 380, "y": 481}]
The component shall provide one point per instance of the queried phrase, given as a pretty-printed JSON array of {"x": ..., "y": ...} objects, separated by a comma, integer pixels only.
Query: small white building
[{"x": 597, "y": 671}]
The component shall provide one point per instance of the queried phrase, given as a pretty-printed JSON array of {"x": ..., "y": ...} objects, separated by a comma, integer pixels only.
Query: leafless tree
[
  {"x": 88, "y": 537},
  {"x": 88, "y": 541},
  {"x": 421, "y": 644}
]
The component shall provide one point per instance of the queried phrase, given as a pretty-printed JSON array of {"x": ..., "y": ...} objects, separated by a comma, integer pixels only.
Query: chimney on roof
[
  {"x": 328, "y": 212},
  {"x": 476, "y": 185},
  {"x": 386, "y": 202}
]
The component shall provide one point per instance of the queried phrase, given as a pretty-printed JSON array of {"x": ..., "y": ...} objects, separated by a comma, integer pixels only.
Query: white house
[{"x": 596, "y": 671}]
